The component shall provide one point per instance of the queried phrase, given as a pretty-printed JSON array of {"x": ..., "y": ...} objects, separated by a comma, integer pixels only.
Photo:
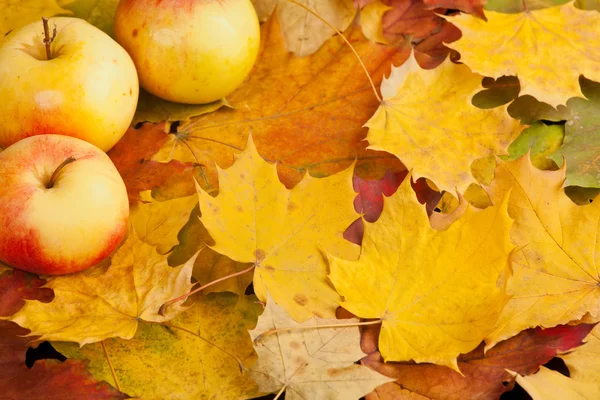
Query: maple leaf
[
  {"x": 409, "y": 18},
  {"x": 47, "y": 379},
  {"x": 438, "y": 293},
  {"x": 369, "y": 200},
  {"x": 484, "y": 374},
  {"x": 417, "y": 122},
  {"x": 17, "y": 14},
  {"x": 498, "y": 92},
  {"x": 547, "y": 384},
  {"x": 282, "y": 231},
  {"x": 583, "y": 362},
  {"x": 264, "y": 8},
  {"x": 55, "y": 380},
  {"x": 516, "y": 6},
  {"x": 371, "y": 21},
  {"x": 474, "y": 7},
  {"x": 103, "y": 302},
  {"x": 131, "y": 156},
  {"x": 190, "y": 357},
  {"x": 555, "y": 278},
  {"x": 100, "y": 13},
  {"x": 302, "y": 31},
  {"x": 583, "y": 381},
  {"x": 581, "y": 147},
  {"x": 539, "y": 141},
  {"x": 210, "y": 266},
  {"x": 534, "y": 46},
  {"x": 17, "y": 286},
  {"x": 307, "y": 114},
  {"x": 310, "y": 363},
  {"x": 153, "y": 109},
  {"x": 159, "y": 222}
]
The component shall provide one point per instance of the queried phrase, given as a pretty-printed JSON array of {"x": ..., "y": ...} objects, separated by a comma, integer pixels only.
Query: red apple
[{"x": 63, "y": 205}]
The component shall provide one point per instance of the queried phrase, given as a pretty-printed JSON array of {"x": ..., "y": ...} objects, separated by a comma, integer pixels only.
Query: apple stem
[
  {"x": 52, "y": 180},
  {"x": 47, "y": 39}
]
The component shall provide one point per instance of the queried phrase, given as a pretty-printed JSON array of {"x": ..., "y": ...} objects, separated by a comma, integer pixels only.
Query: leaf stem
[
  {"x": 280, "y": 392},
  {"x": 54, "y": 175},
  {"x": 112, "y": 370},
  {"x": 300, "y": 327},
  {"x": 345, "y": 40},
  {"x": 163, "y": 308}
]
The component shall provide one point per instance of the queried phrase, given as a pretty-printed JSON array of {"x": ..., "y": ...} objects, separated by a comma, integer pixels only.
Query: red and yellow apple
[
  {"x": 63, "y": 205},
  {"x": 189, "y": 51},
  {"x": 87, "y": 89}
]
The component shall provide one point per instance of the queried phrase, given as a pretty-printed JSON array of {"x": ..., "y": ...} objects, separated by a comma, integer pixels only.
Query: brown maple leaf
[
  {"x": 484, "y": 374},
  {"x": 131, "y": 155}
]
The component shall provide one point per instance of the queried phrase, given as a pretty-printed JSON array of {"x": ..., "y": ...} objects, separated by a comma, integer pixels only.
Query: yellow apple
[
  {"x": 63, "y": 205},
  {"x": 88, "y": 89},
  {"x": 189, "y": 51}
]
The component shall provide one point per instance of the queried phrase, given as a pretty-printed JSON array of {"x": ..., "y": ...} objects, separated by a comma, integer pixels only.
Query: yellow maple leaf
[
  {"x": 310, "y": 363},
  {"x": 371, "y": 20},
  {"x": 196, "y": 355},
  {"x": 438, "y": 293},
  {"x": 427, "y": 120},
  {"x": 256, "y": 219},
  {"x": 584, "y": 361},
  {"x": 546, "y": 49},
  {"x": 159, "y": 222},
  {"x": 556, "y": 277},
  {"x": 16, "y": 14},
  {"x": 547, "y": 384},
  {"x": 103, "y": 302}
]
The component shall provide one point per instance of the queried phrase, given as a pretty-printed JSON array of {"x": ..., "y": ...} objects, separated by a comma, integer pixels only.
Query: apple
[
  {"x": 87, "y": 89},
  {"x": 189, "y": 51},
  {"x": 63, "y": 205}
]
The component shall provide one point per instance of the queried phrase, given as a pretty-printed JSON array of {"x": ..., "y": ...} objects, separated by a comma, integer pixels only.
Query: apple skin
[
  {"x": 189, "y": 51},
  {"x": 67, "y": 228},
  {"x": 89, "y": 89}
]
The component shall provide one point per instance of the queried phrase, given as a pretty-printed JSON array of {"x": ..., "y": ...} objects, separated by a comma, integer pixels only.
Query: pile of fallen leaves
[{"x": 426, "y": 231}]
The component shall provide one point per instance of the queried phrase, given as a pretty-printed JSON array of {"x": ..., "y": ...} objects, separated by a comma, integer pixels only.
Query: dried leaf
[
  {"x": 484, "y": 375},
  {"x": 158, "y": 222},
  {"x": 131, "y": 155},
  {"x": 102, "y": 302},
  {"x": 474, "y": 7},
  {"x": 555, "y": 278},
  {"x": 282, "y": 231},
  {"x": 47, "y": 379},
  {"x": 371, "y": 21},
  {"x": 417, "y": 122},
  {"x": 17, "y": 286},
  {"x": 547, "y": 384},
  {"x": 581, "y": 147},
  {"x": 310, "y": 363},
  {"x": 153, "y": 109},
  {"x": 547, "y": 49},
  {"x": 438, "y": 293},
  {"x": 195, "y": 356}
]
